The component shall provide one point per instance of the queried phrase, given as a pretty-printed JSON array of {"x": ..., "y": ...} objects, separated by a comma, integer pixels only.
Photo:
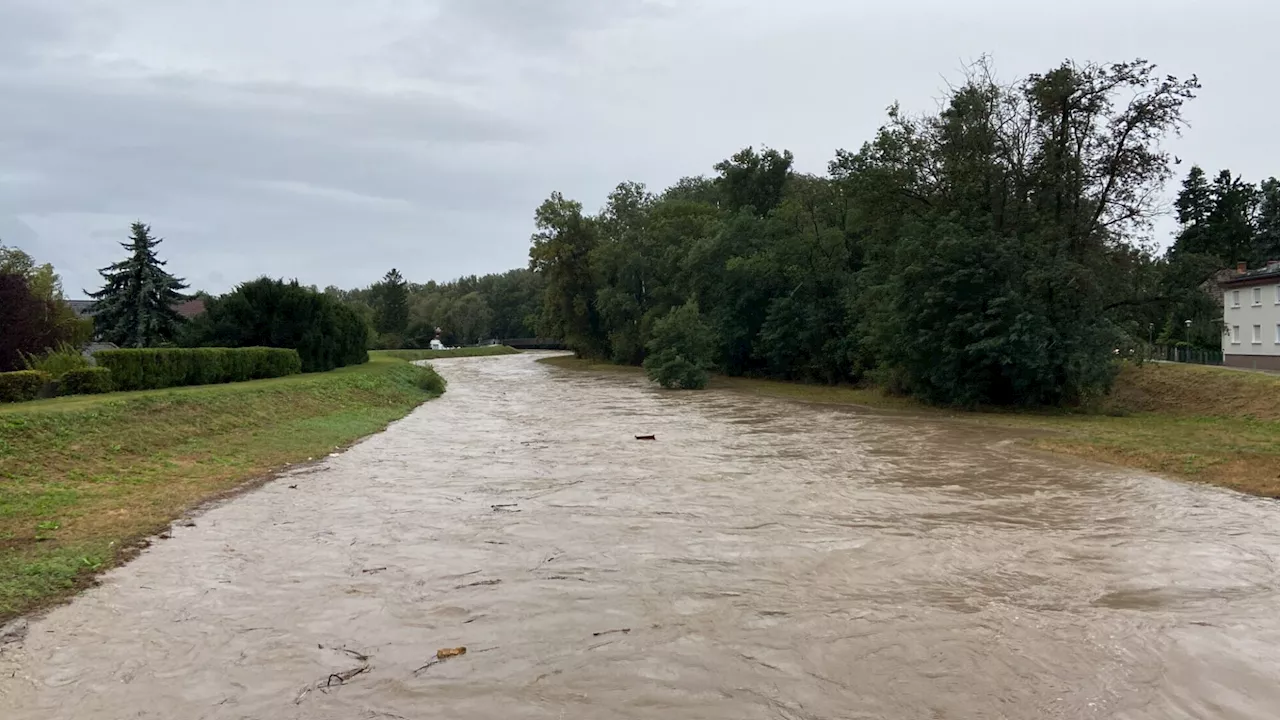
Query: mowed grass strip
[
  {"x": 1203, "y": 424},
  {"x": 412, "y": 355},
  {"x": 84, "y": 479}
]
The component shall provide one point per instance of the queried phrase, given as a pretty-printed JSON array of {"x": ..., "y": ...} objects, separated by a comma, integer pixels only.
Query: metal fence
[{"x": 1184, "y": 354}]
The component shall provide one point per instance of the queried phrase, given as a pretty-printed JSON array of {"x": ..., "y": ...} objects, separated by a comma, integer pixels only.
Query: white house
[{"x": 1251, "y": 314}]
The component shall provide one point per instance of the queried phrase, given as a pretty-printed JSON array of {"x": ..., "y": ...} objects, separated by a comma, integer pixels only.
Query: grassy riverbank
[
  {"x": 84, "y": 480},
  {"x": 1203, "y": 424},
  {"x": 412, "y": 355}
]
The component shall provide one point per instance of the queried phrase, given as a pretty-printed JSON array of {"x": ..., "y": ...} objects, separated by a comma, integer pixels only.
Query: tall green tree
[
  {"x": 470, "y": 318},
  {"x": 1194, "y": 205},
  {"x": 561, "y": 252},
  {"x": 1217, "y": 219},
  {"x": 754, "y": 180},
  {"x": 1267, "y": 223},
  {"x": 135, "y": 307},
  {"x": 997, "y": 286},
  {"x": 391, "y": 305},
  {"x": 623, "y": 260},
  {"x": 326, "y": 332}
]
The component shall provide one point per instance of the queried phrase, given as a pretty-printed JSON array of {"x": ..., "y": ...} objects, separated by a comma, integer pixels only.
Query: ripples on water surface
[{"x": 770, "y": 559}]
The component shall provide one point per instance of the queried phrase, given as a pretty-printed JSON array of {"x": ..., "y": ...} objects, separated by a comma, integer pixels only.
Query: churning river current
[{"x": 759, "y": 559}]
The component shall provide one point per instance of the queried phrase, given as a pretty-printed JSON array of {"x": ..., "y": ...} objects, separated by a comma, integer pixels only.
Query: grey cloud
[
  {"x": 271, "y": 158},
  {"x": 470, "y": 40},
  {"x": 540, "y": 23},
  {"x": 165, "y": 145},
  {"x": 27, "y": 29},
  {"x": 332, "y": 140}
]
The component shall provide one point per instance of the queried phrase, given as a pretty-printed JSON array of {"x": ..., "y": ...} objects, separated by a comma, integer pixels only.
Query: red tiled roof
[{"x": 190, "y": 308}]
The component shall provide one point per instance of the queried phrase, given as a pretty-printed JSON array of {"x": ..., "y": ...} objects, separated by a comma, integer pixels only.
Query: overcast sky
[{"x": 330, "y": 140}]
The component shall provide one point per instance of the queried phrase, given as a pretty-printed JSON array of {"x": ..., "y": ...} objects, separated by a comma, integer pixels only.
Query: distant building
[{"x": 1251, "y": 313}]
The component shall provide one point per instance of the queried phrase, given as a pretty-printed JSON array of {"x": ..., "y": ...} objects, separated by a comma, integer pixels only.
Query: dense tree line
[
  {"x": 468, "y": 310},
  {"x": 994, "y": 251},
  {"x": 990, "y": 252},
  {"x": 273, "y": 313}
]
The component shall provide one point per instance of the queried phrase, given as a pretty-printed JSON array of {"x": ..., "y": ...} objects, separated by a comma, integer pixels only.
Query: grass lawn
[
  {"x": 411, "y": 355},
  {"x": 84, "y": 479},
  {"x": 1203, "y": 424}
]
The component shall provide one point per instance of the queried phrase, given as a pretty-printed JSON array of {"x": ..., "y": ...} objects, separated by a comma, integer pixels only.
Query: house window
[
  {"x": 1257, "y": 334},
  {"x": 1235, "y": 334},
  {"x": 1257, "y": 296},
  {"x": 1235, "y": 298},
  {"x": 1278, "y": 294},
  {"x": 1278, "y": 333}
]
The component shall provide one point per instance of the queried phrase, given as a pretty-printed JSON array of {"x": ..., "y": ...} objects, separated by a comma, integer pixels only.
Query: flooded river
[{"x": 760, "y": 559}]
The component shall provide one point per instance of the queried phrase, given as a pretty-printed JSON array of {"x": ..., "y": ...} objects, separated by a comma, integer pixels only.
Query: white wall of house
[{"x": 1252, "y": 317}]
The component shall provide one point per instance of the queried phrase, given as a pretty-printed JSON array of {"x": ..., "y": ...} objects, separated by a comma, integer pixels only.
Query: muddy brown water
[{"x": 769, "y": 559}]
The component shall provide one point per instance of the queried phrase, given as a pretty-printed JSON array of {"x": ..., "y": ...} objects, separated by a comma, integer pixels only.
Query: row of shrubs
[
  {"x": 150, "y": 369},
  {"x": 154, "y": 368},
  {"x": 26, "y": 385}
]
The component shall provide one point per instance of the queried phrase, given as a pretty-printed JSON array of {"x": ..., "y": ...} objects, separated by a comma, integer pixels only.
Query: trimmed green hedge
[
  {"x": 85, "y": 381},
  {"x": 22, "y": 385},
  {"x": 153, "y": 368}
]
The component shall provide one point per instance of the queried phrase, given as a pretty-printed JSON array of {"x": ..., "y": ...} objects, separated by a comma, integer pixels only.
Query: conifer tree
[{"x": 135, "y": 307}]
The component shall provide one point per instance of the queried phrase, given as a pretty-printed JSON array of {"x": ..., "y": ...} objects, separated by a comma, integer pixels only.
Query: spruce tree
[
  {"x": 392, "y": 298},
  {"x": 135, "y": 308}
]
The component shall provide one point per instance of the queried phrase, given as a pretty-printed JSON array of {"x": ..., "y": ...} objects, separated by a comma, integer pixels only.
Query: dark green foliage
[
  {"x": 468, "y": 310},
  {"x": 561, "y": 252},
  {"x": 996, "y": 284},
  {"x": 992, "y": 252},
  {"x": 86, "y": 381},
  {"x": 1227, "y": 221},
  {"x": 57, "y": 361},
  {"x": 754, "y": 181},
  {"x": 1267, "y": 222},
  {"x": 326, "y": 332},
  {"x": 427, "y": 379},
  {"x": 26, "y": 322},
  {"x": 154, "y": 368},
  {"x": 135, "y": 307},
  {"x": 34, "y": 315},
  {"x": 681, "y": 350},
  {"x": 22, "y": 385},
  {"x": 391, "y": 306}
]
